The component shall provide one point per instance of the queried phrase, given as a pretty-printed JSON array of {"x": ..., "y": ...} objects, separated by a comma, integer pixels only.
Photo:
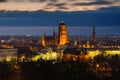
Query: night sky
[{"x": 75, "y": 13}]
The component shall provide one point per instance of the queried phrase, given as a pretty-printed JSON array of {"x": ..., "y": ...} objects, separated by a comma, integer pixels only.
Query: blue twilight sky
[{"x": 81, "y": 14}]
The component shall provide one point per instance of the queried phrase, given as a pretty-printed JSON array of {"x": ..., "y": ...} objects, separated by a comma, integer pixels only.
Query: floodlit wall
[{"x": 8, "y": 54}]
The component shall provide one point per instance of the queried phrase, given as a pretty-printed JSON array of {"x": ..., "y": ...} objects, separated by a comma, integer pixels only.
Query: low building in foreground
[{"x": 8, "y": 54}]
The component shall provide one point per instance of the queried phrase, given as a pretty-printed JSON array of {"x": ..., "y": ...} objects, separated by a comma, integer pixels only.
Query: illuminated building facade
[
  {"x": 49, "y": 40},
  {"x": 73, "y": 53},
  {"x": 60, "y": 39},
  {"x": 63, "y": 38},
  {"x": 43, "y": 40},
  {"x": 49, "y": 55},
  {"x": 8, "y": 54}
]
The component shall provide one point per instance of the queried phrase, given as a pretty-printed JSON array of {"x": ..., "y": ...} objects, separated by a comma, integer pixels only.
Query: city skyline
[
  {"x": 72, "y": 31},
  {"x": 59, "y": 39}
]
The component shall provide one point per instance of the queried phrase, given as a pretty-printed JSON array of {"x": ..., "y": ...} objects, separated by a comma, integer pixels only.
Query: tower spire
[
  {"x": 54, "y": 34},
  {"x": 94, "y": 36},
  {"x": 62, "y": 21},
  {"x": 94, "y": 31}
]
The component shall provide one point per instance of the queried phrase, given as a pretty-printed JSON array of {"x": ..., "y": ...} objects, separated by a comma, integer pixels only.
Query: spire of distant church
[
  {"x": 54, "y": 34},
  {"x": 94, "y": 31},
  {"x": 44, "y": 34},
  {"x": 94, "y": 36}
]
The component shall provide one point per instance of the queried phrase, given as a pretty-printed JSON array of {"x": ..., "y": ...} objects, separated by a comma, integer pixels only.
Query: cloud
[
  {"x": 31, "y": 0},
  {"x": 55, "y": 5},
  {"x": 60, "y": 4},
  {"x": 3, "y": 0},
  {"x": 62, "y": 8},
  {"x": 112, "y": 8},
  {"x": 43, "y": 0},
  {"x": 53, "y": 0},
  {"x": 37, "y": 0},
  {"x": 97, "y": 2}
]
